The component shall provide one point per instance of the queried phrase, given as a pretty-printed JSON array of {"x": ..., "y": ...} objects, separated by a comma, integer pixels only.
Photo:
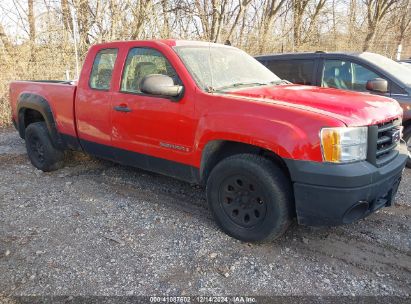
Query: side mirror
[
  {"x": 157, "y": 84},
  {"x": 377, "y": 85}
]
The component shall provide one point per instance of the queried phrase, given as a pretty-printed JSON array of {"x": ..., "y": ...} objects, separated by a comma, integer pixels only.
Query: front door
[
  {"x": 346, "y": 75},
  {"x": 145, "y": 128}
]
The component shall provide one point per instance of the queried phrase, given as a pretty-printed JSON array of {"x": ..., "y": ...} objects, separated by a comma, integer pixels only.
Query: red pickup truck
[{"x": 266, "y": 150}]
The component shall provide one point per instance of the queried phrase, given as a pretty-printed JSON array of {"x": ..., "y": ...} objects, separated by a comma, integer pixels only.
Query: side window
[
  {"x": 297, "y": 71},
  {"x": 102, "y": 70},
  {"x": 346, "y": 75},
  {"x": 360, "y": 77},
  {"x": 142, "y": 62},
  {"x": 395, "y": 89},
  {"x": 337, "y": 74}
]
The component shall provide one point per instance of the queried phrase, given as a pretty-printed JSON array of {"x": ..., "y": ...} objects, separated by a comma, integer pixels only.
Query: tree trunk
[
  {"x": 404, "y": 22},
  {"x": 352, "y": 19},
  {"x": 83, "y": 24},
  {"x": 369, "y": 40},
  {"x": 313, "y": 19},
  {"x": 299, "y": 7},
  {"x": 66, "y": 15},
  {"x": 270, "y": 12},
  {"x": 166, "y": 26},
  {"x": 376, "y": 11},
  {"x": 214, "y": 17},
  {"x": 31, "y": 21},
  {"x": 242, "y": 6},
  {"x": 5, "y": 39}
]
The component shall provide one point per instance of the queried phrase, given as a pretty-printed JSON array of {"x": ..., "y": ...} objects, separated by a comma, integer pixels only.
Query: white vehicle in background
[{"x": 406, "y": 63}]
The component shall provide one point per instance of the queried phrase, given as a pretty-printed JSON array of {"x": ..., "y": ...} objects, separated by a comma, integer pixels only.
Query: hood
[{"x": 352, "y": 108}]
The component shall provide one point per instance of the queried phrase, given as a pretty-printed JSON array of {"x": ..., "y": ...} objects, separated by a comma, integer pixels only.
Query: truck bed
[{"x": 55, "y": 92}]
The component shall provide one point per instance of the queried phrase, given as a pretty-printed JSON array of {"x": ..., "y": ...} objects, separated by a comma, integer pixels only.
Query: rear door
[
  {"x": 93, "y": 109},
  {"x": 298, "y": 71}
]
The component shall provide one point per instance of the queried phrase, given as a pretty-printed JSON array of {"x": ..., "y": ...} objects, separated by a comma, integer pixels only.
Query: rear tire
[
  {"x": 407, "y": 139},
  {"x": 42, "y": 154},
  {"x": 250, "y": 197}
]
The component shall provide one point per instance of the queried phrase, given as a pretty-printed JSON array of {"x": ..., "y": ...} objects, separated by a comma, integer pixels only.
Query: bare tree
[
  {"x": 302, "y": 33},
  {"x": 211, "y": 14},
  {"x": 269, "y": 13},
  {"x": 352, "y": 13},
  {"x": 403, "y": 20},
  {"x": 166, "y": 18},
  {"x": 83, "y": 15},
  {"x": 241, "y": 9},
  {"x": 376, "y": 11},
  {"x": 299, "y": 7},
  {"x": 31, "y": 21},
  {"x": 5, "y": 39},
  {"x": 139, "y": 11},
  {"x": 66, "y": 15}
]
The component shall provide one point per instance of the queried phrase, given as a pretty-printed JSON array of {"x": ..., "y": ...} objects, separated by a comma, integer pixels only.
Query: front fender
[{"x": 285, "y": 138}]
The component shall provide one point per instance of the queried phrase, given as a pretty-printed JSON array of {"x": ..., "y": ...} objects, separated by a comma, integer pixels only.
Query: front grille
[{"x": 382, "y": 142}]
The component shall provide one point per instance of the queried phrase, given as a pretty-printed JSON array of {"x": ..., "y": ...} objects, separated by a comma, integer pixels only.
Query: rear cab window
[
  {"x": 298, "y": 71},
  {"x": 102, "y": 70}
]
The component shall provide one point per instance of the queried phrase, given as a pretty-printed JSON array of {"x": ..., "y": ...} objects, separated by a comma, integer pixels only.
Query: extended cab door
[
  {"x": 150, "y": 131},
  {"x": 92, "y": 104}
]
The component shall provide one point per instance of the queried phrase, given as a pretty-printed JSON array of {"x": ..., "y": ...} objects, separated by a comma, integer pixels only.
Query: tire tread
[
  {"x": 54, "y": 158},
  {"x": 268, "y": 170}
]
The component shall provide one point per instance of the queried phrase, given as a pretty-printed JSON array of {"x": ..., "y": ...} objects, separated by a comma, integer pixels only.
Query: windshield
[
  {"x": 217, "y": 68},
  {"x": 394, "y": 68}
]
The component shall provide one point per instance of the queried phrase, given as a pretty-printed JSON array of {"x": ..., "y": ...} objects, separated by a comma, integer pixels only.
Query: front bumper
[{"x": 334, "y": 194}]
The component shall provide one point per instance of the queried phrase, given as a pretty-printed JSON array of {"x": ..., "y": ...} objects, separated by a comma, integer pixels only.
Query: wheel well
[
  {"x": 31, "y": 116},
  {"x": 216, "y": 151},
  {"x": 28, "y": 116}
]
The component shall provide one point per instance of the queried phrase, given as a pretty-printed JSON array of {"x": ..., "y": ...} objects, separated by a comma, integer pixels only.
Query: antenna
[{"x": 210, "y": 66}]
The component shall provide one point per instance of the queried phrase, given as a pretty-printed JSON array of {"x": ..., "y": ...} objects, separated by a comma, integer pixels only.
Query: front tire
[
  {"x": 250, "y": 197},
  {"x": 407, "y": 139},
  {"x": 42, "y": 154}
]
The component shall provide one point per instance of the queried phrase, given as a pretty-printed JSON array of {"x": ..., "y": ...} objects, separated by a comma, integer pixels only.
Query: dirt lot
[{"x": 97, "y": 228}]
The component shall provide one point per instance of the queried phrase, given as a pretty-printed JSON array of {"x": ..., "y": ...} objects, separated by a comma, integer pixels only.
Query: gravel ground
[{"x": 97, "y": 228}]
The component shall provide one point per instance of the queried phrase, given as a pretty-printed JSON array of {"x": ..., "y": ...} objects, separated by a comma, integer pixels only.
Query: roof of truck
[
  {"x": 168, "y": 42},
  {"x": 176, "y": 42},
  {"x": 308, "y": 54}
]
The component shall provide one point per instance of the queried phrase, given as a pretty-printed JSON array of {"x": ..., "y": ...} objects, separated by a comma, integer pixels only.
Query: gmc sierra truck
[{"x": 266, "y": 150}]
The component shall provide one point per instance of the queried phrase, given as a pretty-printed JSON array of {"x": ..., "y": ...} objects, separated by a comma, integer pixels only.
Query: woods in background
[{"x": 39, "y": 38}]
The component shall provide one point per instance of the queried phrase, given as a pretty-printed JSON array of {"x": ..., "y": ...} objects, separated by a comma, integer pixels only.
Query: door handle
[{"x": 122, "y": 108}]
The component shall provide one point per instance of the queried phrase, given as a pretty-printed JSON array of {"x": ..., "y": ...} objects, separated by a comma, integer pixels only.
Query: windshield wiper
[{"x": 238, "y": 84}]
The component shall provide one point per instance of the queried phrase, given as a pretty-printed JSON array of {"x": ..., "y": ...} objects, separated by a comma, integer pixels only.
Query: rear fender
[{"x": 40, "y": 104}]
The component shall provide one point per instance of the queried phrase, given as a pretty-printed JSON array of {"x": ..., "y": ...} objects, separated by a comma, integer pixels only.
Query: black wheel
[
  {"x": 40, "y": 150},
  {"x": 250, "y": 197},
  {"x": 407, "y": 139}
]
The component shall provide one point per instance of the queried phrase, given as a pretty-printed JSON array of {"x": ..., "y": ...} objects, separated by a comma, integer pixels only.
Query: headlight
[{"x": 344, "y": 145}]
